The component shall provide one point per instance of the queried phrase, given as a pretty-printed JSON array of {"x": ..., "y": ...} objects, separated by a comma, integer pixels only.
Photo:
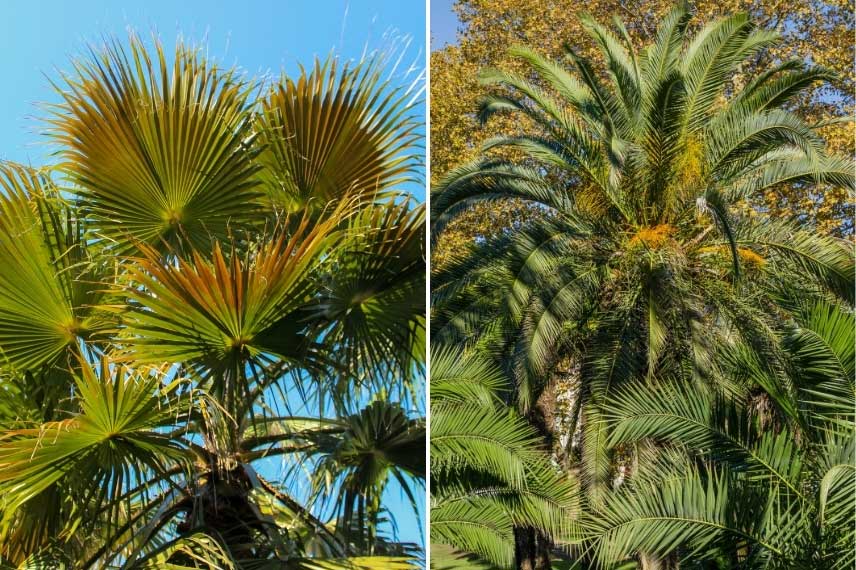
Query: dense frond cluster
[
  {"x": 207, "y": 297},
  {"x": 697, "y": 334}
]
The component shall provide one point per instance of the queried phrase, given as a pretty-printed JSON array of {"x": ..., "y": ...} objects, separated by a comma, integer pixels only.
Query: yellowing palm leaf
[
  {"x": 112, "y": 441},
  {"x": 334, "y": 133},
  {"x": 231, "y": 309},
  {"x": 159, "y": 151}
]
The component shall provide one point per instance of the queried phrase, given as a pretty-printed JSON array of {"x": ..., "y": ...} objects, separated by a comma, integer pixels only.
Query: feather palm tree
[
  {"x": 490, "y": 473},
  {"x": 639, "y": 264},
  {"x": 199, "y": 305}
]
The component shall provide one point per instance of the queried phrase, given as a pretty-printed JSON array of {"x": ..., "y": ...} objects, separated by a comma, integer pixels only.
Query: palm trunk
[
  {"x": 652, "y": 562},
  {"x": 542, "y": 551},
  {"x": 531, "y": 547},
  {"x": 524, "y": 548},
  {"x": 576, "y": 412}
]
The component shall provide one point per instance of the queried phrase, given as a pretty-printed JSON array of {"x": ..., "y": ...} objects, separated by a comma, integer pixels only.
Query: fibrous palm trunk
[{"x": 531, "y": 547}]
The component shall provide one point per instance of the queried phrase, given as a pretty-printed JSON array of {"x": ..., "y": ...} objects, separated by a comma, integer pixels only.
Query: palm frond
[
  {"x": 332, "y": 133},
  {"x": 115, "y": 439},
  {"x": 49, "y": 284},
  {"x": 159, "y": 152}
]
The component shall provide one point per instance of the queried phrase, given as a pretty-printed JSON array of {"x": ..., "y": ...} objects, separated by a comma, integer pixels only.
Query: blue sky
[
  {"x": 38, "y": 38},
  {"x": 444, "y": 23}
]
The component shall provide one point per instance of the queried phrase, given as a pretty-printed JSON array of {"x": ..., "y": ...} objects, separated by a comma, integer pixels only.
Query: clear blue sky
[
  {"x": 444, "y": 23},
  {"x": 38, "y": 37}
]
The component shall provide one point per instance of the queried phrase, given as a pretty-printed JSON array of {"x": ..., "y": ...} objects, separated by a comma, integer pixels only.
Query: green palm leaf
[
  {"x": 49, "y": 285},
  {"x": 158, "y": 152},
  {"x": 332, "y": 133},
  {"x": 113, "y": 440}
]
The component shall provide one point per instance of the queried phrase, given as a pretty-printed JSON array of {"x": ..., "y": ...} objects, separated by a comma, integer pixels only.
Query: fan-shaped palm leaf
[
  {"x": 331, "y": 133},
  {"x": 111, "y": 442},
  {"x": 50, "y": 286},
  {"x": 159, "y": 151},
  {"x": 226, "y": 312}
]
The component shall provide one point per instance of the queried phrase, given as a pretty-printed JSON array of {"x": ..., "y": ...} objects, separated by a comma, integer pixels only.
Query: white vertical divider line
[{"x": 427, "y": 284}]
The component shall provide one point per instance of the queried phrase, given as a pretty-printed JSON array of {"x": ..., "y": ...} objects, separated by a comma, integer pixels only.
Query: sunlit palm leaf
[
  {"x": 373, "y": 304},
  {"x": 113, "y": 441},
  {"x": 159, "y": 150},
  {"x": 489, "y": 470},
  {"x": 822, "y": 348},
  {"x": 48, "y": 285},
  {"x": 333, "y": 132},
  {"x": 378, "y": 443},
  {"x": 231, "y": 309},
  {"x": 694, "y": 511}
]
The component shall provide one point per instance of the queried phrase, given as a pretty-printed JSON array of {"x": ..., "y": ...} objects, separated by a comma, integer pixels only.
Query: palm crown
[
  {"x": 638, "y": 178},
  {"x": 206, "y": 281},
  {"x": 639, "y": 269}
]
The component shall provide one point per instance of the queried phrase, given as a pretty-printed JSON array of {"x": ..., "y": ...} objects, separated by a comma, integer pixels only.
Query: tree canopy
[{"x": 213, "y": 322}]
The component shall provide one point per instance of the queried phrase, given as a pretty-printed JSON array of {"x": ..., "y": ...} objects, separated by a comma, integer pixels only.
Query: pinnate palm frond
[
  {"x": 489, "y": 469},
  {"x": 821, "y": 349},
  {"x": 837, "y": 470},
  {"x": 694, "y": 512},
  {"x": 464, "y": 380},
  {"x": 715, "y": 428},
  {"x": 826, "y": 260}
]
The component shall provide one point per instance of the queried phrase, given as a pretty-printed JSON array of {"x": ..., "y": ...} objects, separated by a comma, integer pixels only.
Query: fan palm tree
[
  {"x": 639, "y": 265},
  {"x": 204, "y": 300}
]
